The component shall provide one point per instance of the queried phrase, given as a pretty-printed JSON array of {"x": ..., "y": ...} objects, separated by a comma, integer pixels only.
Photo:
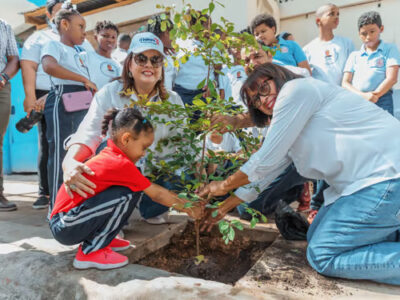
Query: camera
[{"x": 26, "y": 123}]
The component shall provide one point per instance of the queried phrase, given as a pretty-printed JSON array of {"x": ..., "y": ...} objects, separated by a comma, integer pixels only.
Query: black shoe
[
  {"x": 6, "y": 205},
  {"x": 41, "y": 203}
]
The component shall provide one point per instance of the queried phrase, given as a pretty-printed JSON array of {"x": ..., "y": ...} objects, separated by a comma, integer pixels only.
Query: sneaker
[
  {"x": 311, "y": 215},
  {"x": 41, "y": 203},
  {"x": 103, "y": 259},
  {"x": 119, "y": 244},
  {"x": 6, "y": 205},
  {"x": 158, "y": 220},
  {"x": 305, "y": 197}
]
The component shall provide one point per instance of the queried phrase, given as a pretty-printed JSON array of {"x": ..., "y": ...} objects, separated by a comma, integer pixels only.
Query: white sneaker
[{"x": 158, "y": 220}]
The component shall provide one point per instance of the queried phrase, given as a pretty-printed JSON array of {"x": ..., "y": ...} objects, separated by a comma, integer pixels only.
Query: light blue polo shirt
[
  {"x": 290, "y": 53},
  {"x": 369, "y": 69}
]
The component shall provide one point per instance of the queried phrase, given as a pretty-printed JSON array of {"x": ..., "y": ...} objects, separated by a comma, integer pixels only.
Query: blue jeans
[
  {"x": 356, "y": 237},
  {"x": 150, "y": 209},
  {"x": 386, "y": 102},
  {"x": 317, "y": 199},
  {"x": 287, "y": 186}
]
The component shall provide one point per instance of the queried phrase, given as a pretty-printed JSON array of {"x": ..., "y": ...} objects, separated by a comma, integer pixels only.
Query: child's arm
[
  {"x": 53, "y": 68},
  {"x": 305, "y": 65},
  {"x": 390, "y": 80},
  {"x": 346, "y": 83},
  {"x": 167, "y": 198}
]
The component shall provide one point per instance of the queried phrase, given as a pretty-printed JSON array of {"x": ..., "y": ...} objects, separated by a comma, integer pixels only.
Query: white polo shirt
[
  {"x": 230, "y": 143},
  {"x": 328, "y": 133},
  {"x": 32, "y": 49},
  {"x": 102, "y": 70}
]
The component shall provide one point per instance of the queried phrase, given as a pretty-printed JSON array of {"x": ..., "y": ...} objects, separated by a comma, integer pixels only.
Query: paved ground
[{"x": 34, "y": 266}]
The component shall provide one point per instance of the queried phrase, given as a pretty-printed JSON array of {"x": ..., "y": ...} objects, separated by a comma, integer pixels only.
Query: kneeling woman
[
  {"x": 334, "y": 135},
  {"x": 95, "y": 222}
]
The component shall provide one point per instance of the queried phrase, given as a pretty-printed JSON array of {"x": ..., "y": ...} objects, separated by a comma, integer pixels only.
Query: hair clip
[{"x": 144, "y": 121}]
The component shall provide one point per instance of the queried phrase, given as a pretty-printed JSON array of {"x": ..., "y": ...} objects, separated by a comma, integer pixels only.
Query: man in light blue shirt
[{"x": 372, "y": 71}]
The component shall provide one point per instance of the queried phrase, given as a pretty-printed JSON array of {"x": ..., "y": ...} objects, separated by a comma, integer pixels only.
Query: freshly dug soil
[{"x": 223, "y": 263}]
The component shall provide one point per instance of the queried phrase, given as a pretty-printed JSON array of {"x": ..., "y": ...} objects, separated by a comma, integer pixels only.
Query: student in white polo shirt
[
  {"x": 328, "y": 53},
  {"x": 37, "y": 86},
  {"x": 69, "y": 74},
  {"x": 102, "y": 67},
  {"x": 119, "y": 54}
]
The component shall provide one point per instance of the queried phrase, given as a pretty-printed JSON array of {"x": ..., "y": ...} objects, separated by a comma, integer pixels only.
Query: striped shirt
[{"x": 8, "y": 44}]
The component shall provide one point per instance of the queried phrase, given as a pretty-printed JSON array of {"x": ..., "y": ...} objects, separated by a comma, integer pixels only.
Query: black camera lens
[{"x": 26, "y": 124}]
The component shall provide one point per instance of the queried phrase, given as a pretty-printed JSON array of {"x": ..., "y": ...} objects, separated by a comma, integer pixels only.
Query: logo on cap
[{"x": 149, "y": 40}]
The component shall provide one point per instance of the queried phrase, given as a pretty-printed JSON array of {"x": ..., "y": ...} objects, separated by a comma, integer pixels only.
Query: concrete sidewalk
[{"x": 35, "y": 266}]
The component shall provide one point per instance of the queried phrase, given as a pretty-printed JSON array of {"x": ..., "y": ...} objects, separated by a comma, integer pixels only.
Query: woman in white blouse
[
  {"x": 331, "y": 134},
  {"x": 144, "y": 75}
]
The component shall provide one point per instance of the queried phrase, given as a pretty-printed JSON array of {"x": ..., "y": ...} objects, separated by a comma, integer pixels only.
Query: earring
[{"x": 129, "y": 74}]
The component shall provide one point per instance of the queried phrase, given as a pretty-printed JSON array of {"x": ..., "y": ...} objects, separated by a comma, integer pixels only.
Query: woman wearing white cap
[{"x": 143, "y": 74}]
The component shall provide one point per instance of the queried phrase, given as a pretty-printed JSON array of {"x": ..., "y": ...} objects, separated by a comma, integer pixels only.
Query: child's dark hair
[
  {"x": 371, "y": 17},
  {"x": 51, "y": 3},
  {"x": 245, "y": 30},
  {"x": 129, "y": 118},
  {"x": 65, "y": 14},
  {"x": 103, "y": 25},
  {"x": 266, "y": 19},
  {"x": 155, "y": 25},
  {"x": 124, "y": 38}
]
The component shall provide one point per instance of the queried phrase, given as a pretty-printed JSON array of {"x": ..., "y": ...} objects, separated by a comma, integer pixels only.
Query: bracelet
[{"x": 5, "y": 76}]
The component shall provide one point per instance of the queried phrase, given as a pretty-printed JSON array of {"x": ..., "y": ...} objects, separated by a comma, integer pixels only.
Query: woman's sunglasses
[{"x": 156, "y": 60}]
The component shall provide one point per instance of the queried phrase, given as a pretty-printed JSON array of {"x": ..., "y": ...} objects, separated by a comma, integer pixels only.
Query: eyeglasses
[
  {"x": 263, "y": 90},
  {"x": 156, "y": 60}
]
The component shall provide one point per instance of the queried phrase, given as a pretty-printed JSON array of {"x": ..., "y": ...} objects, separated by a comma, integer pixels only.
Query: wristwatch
[{"x": 5, "y": 77}]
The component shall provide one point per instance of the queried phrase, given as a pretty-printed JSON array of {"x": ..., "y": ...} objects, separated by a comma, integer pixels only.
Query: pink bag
[{"x": 77, "y": 101}]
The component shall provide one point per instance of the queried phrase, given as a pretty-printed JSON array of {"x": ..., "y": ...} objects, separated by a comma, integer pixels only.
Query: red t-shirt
[{"x": 111, "y": 167}]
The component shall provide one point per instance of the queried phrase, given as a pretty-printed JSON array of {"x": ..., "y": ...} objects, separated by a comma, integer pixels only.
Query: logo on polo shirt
[
  {"x": 80, "y": 63},
  {"x": 331, "y": 56},
  {"x": 238, "y": 75},
  {"x": 378, "y": 63},
  {"x": 108, "y": 69},
  {"x": 284, "y": 49}
]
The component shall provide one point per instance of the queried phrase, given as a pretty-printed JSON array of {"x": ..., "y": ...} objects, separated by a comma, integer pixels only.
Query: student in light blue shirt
[
  {"x": 372, "y": 71},
  {"x": 288, "y": 52}
]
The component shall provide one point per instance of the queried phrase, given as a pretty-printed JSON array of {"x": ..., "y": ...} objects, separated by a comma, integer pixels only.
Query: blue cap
[{"x": 145, "y": 41}]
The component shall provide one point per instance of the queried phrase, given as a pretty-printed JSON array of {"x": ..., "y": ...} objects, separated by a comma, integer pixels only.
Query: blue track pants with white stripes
[{"x": 97, "y": 221}]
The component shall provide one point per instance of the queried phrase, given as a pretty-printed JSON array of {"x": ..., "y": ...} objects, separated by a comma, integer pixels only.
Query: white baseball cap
[{"x": 145, "y": 41}]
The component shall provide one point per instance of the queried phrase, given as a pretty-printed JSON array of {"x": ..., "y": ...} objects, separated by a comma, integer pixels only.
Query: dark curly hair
[
  {"x": 371, "y": 17},
  {"x": 266, "y": 19},
  {"x": 102, "y": 25},
  {"x": 128, "y": 118}
]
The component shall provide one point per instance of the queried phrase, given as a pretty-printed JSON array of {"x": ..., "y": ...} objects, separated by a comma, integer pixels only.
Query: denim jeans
[
  {"x": 287, "y": 186},
  {"x": 317, "y": 199},
  {"x": 386, "y": 102},
  {"x": 150, "y": 209},
  {"x": 356, "y": 237},
  {"x": 187, "y": 97}
]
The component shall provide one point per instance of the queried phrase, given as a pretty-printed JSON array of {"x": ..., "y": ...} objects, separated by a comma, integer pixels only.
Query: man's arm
[{"x": 29, "y": 69}]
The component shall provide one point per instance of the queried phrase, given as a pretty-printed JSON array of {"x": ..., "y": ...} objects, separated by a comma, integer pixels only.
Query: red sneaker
[
  {"x": 119, "y": 244},
  {"x": 305, "y": 197},
  {"x": 311, "y": 215},
  {"x": 103, "y": 259}
]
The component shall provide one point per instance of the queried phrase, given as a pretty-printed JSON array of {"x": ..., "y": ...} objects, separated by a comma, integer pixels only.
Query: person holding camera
[
  {"x": 37, "y": 86},
  {"x": 9, "y": 65}
]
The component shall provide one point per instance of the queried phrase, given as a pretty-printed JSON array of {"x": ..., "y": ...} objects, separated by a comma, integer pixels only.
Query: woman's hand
[
  {"x": 74, "y": 181},
  {"x": 90, "y": 86},
  {"x": 226, "y": 206},
  {"x": 214, "y": 188},
  {"x": 371, "y": 97},
  {"x": 227, "y": 123},
  {"x": 40, "y": 103},
  {"x": 195, "y": 212}
]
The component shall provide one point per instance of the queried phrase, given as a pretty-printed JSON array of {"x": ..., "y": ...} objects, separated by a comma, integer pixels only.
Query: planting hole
[{"x": 223, "y": 263}]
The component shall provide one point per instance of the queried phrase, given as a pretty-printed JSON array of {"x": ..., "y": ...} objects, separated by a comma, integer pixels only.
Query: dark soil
[{"x": 223, "y": 263}]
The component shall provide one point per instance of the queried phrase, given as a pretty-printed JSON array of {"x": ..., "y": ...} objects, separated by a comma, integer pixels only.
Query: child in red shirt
[{"x": 95, "y": 222}]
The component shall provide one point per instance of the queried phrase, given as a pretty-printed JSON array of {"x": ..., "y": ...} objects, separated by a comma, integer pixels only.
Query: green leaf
[
  {"x": 163, "y": 26},
  {"x": 223, "y": 226},
  {"x": 231, "y": 234},
  {"x": 199, "y": 103},
  {"x": 201, "y": 84},
  {"x": 163, "y": 17},
  {"x": 253, "y": 222},
  {"x": 211, "y": 7},
  {"x": 182, "y": 195},
  {"x": 188, "y": 205},
  {"x": 264, "y": 218},
  {"x": 214, "y": 214},
  {"x": 199, "y": 259}
]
